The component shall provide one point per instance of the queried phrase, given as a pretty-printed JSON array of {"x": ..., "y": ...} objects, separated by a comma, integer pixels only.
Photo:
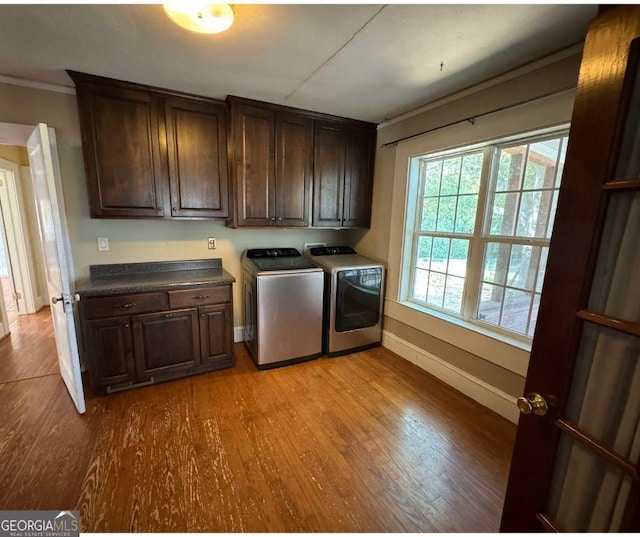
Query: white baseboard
[
  {"x": 500, "y": 402},
  {"x": 237, "y": 334}
]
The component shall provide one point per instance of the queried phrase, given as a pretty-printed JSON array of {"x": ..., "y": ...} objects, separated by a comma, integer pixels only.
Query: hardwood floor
[
  {"x": 365, "y": 442},
  {"x": 30, "y": 350}
]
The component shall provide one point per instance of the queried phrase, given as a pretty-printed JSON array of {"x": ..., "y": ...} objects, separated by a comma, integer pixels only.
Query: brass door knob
[{"x": 533, "y": 403}]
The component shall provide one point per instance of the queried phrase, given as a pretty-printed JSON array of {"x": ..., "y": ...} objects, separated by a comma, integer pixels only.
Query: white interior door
[{"x": 43, "y": 157}]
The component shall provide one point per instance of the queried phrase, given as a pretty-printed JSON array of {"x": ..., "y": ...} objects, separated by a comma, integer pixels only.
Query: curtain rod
[{"x": 472, "y": 119}]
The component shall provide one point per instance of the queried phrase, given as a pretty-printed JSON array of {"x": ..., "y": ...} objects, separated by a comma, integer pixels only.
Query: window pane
[
  {"x": 458, "y": 257},
  {"x": 515, "y": 312},
  {"x": 420, "y": 284},
  {"x": 435, "y": 293},
  {"x": 424, "y": 252},
  {"x": 496, "y": 259},
  {"x": 432, "y": 178},
  {"x": 446, "y": 213},
  {"x": 510, "y": 168},
  {"x": 528, "y": 215},
  {"x": 440, "y": 254},
  {"x": 450, "y": 176},
  {"x": 541, "y": 269},
  {"x": 523, "y": 266},
  {"x": 534, "y": 315},
  {"x": 503, "y": 216},
  {"x": 429, "y": 214},
  {"x": 563, "y": 154},
  {"x": 541, "y": 164},
  {"x": 466, "y": 214},
  {"x": 552, "y": 215},
  {"x": 471, "y": 173},
  {"x": 490, "y": 303},
  {"x": 453, "y": 294}
]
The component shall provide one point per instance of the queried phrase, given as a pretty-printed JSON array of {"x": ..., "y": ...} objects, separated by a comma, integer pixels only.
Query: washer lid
[{"x": 270, "y": 264}]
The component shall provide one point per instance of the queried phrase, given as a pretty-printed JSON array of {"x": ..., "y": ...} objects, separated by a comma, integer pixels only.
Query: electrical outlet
[
  {"x": 211, "y": 243},
  {"x": 103, "y": 244}
]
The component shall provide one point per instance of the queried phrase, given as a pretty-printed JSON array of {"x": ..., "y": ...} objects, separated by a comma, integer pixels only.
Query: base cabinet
[
  {"x": 216, "y": 342},
  {"x": 112, "y": 347},
  {"x": 166, "y": 342},
  {"x": 141, "y": 338}
]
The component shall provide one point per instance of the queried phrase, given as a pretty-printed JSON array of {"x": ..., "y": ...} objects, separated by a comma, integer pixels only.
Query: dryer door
[{"x": 358, "y": 298}]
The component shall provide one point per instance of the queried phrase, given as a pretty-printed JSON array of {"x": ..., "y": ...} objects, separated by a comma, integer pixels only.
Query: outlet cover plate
[
  {"x": 103, "y": 244},
  {"x": 211, "y": 243}
]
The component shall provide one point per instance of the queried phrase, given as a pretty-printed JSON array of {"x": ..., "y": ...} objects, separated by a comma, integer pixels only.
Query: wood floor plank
[
  {"x": 366, "y": 442},
  {"x": 30, "y": 350}
]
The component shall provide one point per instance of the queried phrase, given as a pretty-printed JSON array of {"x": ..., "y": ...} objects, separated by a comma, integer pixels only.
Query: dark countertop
[{"x": 157, "y": 276}]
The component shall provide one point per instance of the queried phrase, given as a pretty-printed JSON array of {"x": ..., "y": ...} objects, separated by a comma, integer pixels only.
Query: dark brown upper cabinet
[
  {"x": 151, "y": 152},
  {"x": 272, "y": 165},
  {"x": 343, "y": 175},
  {"x": 197, "y": 156},
  {"x": 290, "y": 164}
]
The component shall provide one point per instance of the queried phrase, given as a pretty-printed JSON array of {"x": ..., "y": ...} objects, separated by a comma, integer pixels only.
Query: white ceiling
[{"x": 369, "y": 62}]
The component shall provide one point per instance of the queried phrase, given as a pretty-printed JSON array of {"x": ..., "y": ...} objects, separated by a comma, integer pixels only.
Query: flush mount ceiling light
[{"x": 200, "y": 17}]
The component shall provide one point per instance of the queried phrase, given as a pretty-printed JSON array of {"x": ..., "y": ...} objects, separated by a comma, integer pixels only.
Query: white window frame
[{"x": 477, "y": 240}]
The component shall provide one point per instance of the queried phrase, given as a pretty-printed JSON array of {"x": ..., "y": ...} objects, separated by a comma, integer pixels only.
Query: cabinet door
[
  {"x": 166, "y": 342},
  {"x": 109, "y": 351},
  {"x": 294, "y": 156},
  {"x": 329, "y": 173},
  {"x": 125, "y": 171},
  {"x": 216, "y": 333},
  {"x": 197, "y": 156},
  {"x": 254, "y": 165},
  {"x": 358, "y": 178}
]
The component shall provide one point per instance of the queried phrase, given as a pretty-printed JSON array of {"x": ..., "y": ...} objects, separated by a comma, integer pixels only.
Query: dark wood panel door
[
  {"x": 254, "y": 165},
  {"x": 358, "y": 186},
  {"x": 575, "y": 465},
  {"x": 294, "y": 169},
  {"x": 166, "y": 342},
  {"x": 109, "y": 350},
  {"x": 216, "y": 333},
  {"x": 197, "y": 157},
  {"x": 329, "y": 174},
  {"x": 126, "y": 173}
]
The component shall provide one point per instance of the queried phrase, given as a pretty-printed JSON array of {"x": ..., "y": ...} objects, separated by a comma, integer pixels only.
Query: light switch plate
[
  {"x": 211, "y": 243},
  {"x": 103, "y": 244}
]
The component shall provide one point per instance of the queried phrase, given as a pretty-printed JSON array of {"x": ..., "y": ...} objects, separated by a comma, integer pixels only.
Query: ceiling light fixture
[{"x": 200, "y": 17}]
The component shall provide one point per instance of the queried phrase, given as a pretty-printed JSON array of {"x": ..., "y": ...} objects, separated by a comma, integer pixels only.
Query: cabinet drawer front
[
  {"x": 124, "y": 305},
  {"x": 197, "y": 297}
]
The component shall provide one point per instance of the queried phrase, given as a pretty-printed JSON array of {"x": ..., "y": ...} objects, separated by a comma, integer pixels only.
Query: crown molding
[{"x": 23, "y": 82}]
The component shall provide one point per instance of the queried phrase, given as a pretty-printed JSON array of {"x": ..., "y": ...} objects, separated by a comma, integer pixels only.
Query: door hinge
[{"x": 16, "y": 296}]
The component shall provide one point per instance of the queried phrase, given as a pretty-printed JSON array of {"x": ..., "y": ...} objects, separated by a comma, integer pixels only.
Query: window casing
[{"x": 481, "y": 228}]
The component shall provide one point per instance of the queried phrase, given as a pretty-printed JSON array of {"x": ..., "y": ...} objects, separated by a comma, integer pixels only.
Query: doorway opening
[
  {"x": 21, "y": 258},
  {"x": 6, "y": 275}
]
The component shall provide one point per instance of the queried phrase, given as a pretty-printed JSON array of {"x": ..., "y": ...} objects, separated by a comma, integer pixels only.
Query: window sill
[{"x": 508, "y": 353}]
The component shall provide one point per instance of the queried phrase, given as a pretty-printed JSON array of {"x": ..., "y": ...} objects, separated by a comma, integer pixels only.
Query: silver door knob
[{"x": 56, "y": 299}]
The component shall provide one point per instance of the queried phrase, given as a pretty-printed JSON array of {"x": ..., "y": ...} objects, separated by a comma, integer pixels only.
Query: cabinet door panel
[
  {"x": 165, "y": 342},
  {"x": 358, "y": 178},
  {"x": 329, "y": 170},
  {"x": 110, "y": 351},
  {"x": 197, "y": 155},
  {"x": 254, "y": 144},
  {"x": 121, "y": 146},
  {"x": 216, "y": 333},
  {"x": 294, "y": 135}
]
